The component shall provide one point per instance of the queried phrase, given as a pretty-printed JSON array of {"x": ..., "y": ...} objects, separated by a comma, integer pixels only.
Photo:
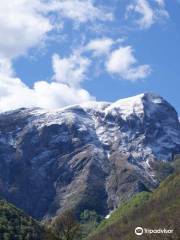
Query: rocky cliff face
[{"x": 89, "y": 156}]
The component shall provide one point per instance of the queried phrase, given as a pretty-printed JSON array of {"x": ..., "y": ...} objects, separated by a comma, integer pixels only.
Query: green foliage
[
  {"x": 125, "y": 209},
  {"x": 151, "y": 210},
  {"x": 162, "y": 169},
  {"x": 90, "y": 216},
  {"x": 16, "y": 225},
  {"x": 89, "y": 220}
]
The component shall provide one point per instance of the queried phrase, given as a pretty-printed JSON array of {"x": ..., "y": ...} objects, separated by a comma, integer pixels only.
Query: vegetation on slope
[
  {"x": 16, "y": 225},
  {"x": 160, "y": 209}
]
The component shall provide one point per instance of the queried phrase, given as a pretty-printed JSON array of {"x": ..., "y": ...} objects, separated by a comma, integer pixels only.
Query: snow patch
[{"x": 127, "y": 106}]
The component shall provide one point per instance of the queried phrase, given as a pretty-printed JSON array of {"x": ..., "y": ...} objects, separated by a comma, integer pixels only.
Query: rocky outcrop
[{"x": 89, "y": 156}]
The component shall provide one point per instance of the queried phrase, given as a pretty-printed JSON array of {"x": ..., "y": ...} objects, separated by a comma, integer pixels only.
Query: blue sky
[{"x": 55, "y": 53}]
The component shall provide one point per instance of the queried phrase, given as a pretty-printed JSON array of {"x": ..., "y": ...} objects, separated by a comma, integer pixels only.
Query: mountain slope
[
  {"x": 160, "y": 209},
  {"x": 16, "y": 225},
  {"x": 90, "y": 156}
]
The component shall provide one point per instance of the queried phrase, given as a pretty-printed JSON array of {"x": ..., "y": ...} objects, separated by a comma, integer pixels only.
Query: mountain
[
  {"x": 90, "y": 156},
  {"x": 157, "y": 210},
  {"x": 16, "y": 225}
]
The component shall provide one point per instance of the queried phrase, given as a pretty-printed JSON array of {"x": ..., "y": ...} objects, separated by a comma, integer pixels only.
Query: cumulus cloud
[
  {"x": 71, "y": 70},
  {"x": 25, "y": 24},
  {"x": 100, "y": 46},
  {"x": 22, "y": 26},
  {"x": 15, "y": 94},
  {"x": 55, "y": 95},
  {"x": 123, "y": 63},
  {"x": 148, "y": 14}
]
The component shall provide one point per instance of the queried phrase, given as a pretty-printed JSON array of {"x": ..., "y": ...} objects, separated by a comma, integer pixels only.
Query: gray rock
[{"x": 89, "y": 156}]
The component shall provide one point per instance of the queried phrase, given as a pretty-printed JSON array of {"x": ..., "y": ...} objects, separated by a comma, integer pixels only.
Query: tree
[
  {"x": 89, "y": 221},
  {"x": 66, "y": 226}
]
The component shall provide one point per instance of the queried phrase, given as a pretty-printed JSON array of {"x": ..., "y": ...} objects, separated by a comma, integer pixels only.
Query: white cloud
[
  {"x": 71, "y": 70},
  {"x": 100, "y": 46},
  {"x": 81, "y": 11},
  {"x": 148, "y": 15},
  {"x": 123, "y": 63},
  {"x": 6, "y": 67},
  {"x": 22, "y": 26},
  {"x": 15, "y": 94},
  {"x": 144, "y": 9},
  {"x": 25, "y": 24},
  {"x": 56, "y": 95},
  {"x": 65, "y": 88}
]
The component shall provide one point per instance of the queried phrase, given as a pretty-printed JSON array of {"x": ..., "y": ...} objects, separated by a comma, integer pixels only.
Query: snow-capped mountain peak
[
  {"x": 127, "y": 106},
  {"x": 92, "y": 155}
]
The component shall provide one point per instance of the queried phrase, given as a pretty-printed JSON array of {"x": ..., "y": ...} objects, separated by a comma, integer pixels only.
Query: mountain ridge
[{"x": 89, "y": 156}]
